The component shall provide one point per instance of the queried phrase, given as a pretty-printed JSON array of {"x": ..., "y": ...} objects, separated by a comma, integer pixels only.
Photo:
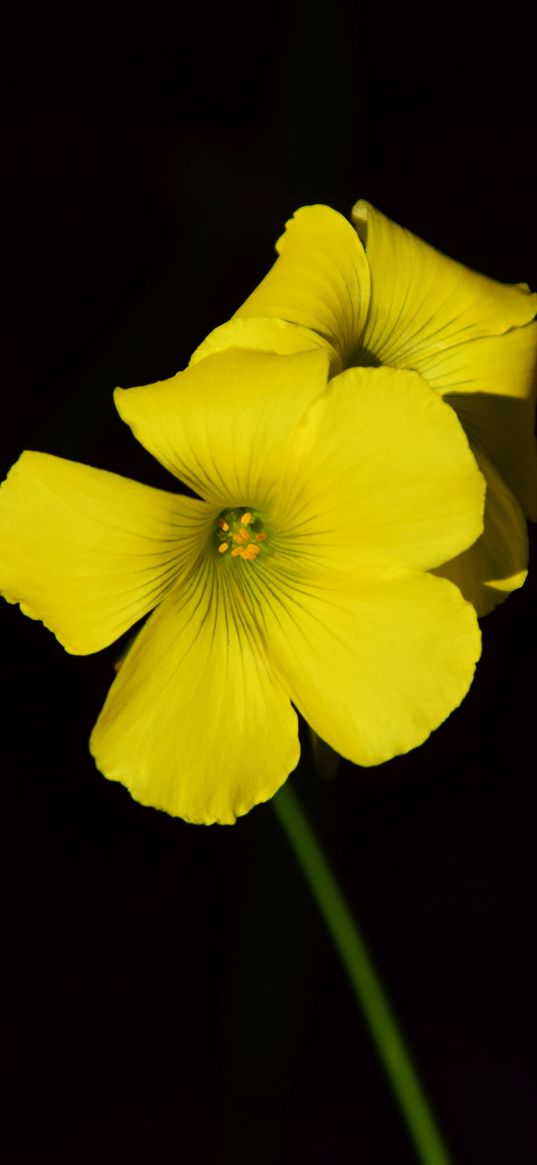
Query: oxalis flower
[
  {"x": 298, "y": 576},
  {"x": 374, "y": 294}
]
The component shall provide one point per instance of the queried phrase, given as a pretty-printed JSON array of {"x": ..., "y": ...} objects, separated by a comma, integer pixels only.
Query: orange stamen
[{"x": 249, "y": 553}]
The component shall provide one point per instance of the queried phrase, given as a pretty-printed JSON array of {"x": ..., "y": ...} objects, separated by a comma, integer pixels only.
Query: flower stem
[{"x": 364, "y": 980}]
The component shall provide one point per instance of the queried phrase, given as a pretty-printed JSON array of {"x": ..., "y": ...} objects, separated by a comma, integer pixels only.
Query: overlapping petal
[
  {"x": 89, "y": 552},
  {"x": 497, "y": 563},
  {"x": 504, "y": 366},
  {"x": 380, "y": 472},
  {"x": 196, "y": 722},
  {"x": 320, "y": 280},
  {"x": 474, "y": 341},
  {"x": 265, "y": 335},
  {"x": 225, "y": 426},
  {"x": 502, "y": 429},
  {"x": 492, "y": 385},
  {"x": 373, "y": 669},
  {"x": 465, "y": 333},
  {"x": 422, "y": 302}
]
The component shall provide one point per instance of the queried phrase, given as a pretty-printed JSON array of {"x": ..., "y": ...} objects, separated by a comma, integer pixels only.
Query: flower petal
[
  {"x": 374, "y": 671},
  {"x": 196, "y": 723},
  {"x": 493, "y": 365},
  {"x": 89, "y": 552},
  {"x": 265, "y": 335},
  {"x": 422, "y": 302},
  {"x": 499, "y": 426},
  {"x": 492, "y": 385},
  {"x": 320, "y": 280},
  {"x": 497, "y": 563},
  {"x": 225, "y": 425},
  {"x": 381, "y": 472}
]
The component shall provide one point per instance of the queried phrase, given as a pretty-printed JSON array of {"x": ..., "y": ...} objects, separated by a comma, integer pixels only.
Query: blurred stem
[{"x": 364, "y": 980}]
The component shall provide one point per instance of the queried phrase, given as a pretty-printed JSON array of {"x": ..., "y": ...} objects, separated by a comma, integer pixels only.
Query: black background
[{"x": 169, "y": 993}]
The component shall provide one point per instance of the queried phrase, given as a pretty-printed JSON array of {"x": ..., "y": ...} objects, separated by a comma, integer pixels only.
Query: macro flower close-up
[
  {"x": 268, "y": 531},
  {"x": 373, "y": 294},
  {"x": 298, "y": 577}
]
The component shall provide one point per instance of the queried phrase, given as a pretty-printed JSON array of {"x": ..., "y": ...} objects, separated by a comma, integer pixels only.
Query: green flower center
[{"x": 240, "y": 532}]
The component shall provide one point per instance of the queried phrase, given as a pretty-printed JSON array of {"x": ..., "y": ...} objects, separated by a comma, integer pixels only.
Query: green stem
[{"x": 364, "y": 980}]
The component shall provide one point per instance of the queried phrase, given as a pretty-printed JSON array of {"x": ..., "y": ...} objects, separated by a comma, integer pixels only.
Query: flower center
[{"x": 241, "y": 532}]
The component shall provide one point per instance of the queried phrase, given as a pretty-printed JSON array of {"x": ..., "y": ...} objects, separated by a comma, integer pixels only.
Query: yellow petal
[
  {"x": 381, "y": 472},
  {"x": 225, "y": 425},
  {"x": 196, "y": 723},
  {"x": 422, "y": 302},
  {"x": 89, "y": 552},
  {"x": 492, "y": 385},
  {"x": 320, "y": 280},
  {"x": 265, "y": 335},
  {"x": 497, "y": 563},
  {"x": 375, "y": 671},
  {"x": 496, "y": 365}
]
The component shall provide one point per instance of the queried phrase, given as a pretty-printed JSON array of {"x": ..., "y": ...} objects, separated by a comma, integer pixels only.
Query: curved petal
[
  {"x": 196, "y": 723},
  {"x": 422, "y": 302},
  {"x": 89, "y": 552},
  {"x": 375, "y": 670},
  {"x": 381, "y": 472},
  {"x": 497, "y": 563},
  {"x": 500, "y": 428},
  {"x": 321, "y": 279},
  {"x": 225, "y": 425},
  {"x": 492, "y": 385},
  {"x": 265, "y": 335},
  {"x": 496, "y": 365}
]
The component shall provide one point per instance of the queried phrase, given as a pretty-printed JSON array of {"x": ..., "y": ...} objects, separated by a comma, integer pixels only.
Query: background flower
[{"x": 381, "y": 296}]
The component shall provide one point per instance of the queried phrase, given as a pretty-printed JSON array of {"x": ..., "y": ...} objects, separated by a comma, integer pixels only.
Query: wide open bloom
[
  {"x": 374, "y": 294},
  {"x": 298, "y": 574}
]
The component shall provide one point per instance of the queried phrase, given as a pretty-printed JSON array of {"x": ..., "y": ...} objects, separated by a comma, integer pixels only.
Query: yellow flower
[
  {"x": 299, "y": 573},
  {"x": 377, "y": 295}
]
